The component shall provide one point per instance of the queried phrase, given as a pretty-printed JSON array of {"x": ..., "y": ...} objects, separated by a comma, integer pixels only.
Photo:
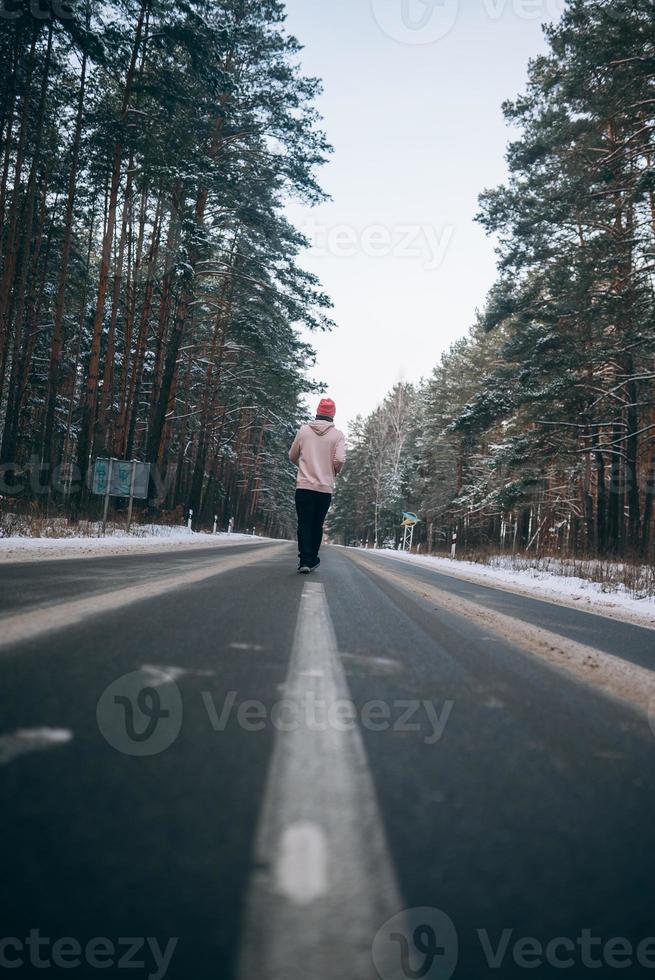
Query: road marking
[
  {"x": 324, "y": 882},
  {"x": 33, "y": 623},
  {"x": 301, "y": 867}
]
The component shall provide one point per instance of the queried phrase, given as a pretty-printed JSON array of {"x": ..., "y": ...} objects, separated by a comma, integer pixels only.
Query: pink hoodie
[{"x": 319, "y": 452}]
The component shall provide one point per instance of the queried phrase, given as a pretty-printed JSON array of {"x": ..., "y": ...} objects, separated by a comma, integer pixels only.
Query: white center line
[
  {"x": 302, "y": 862},
  {"x": 325, "y": 882}
]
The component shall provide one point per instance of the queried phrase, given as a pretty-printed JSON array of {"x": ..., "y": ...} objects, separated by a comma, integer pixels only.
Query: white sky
[{"x": 412, "y": 106}]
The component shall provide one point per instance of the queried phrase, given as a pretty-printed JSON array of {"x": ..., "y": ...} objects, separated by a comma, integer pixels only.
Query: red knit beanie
[{"x": 326, "y": 407}]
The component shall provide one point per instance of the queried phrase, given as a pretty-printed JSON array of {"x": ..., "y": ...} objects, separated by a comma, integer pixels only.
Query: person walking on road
[{"x": 319, "y": 452}]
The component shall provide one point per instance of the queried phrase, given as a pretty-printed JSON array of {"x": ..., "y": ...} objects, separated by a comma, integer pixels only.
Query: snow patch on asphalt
[
  {"x": 26, "y": 740},
  {"x": 156, "y": 675},
  {"x": 536, "y": 583}
]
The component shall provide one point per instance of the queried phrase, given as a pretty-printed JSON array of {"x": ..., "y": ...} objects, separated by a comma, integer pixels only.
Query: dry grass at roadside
[
  {"x": 36, "y": 526},
  {"x": 637, "y": 579}
]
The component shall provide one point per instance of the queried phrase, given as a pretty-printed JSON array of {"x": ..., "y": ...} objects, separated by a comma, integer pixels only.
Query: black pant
[{"x": 311, "y": 508}]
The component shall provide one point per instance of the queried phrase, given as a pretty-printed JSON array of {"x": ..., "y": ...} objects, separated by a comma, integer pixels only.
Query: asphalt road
[{"x": 211, "y": 767}]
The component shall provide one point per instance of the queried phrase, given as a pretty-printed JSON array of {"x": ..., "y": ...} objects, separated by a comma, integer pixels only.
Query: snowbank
[
  {"x": 535, "y": 582},
  {"x": 141, "y": 539}
]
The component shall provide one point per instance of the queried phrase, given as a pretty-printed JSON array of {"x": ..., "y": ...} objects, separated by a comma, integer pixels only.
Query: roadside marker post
[
  {"x": 453, "y": 549},
  {"x": 190, "y": 520},
  {"x": 215, "y": 522}
]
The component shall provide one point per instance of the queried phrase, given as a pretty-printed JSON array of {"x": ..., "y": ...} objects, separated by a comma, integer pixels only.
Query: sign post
[
  {"x": 120, "y": 478},
  {"x": 409, "y": 522}
]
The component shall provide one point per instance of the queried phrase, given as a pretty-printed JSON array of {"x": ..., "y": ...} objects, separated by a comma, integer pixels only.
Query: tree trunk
[
  {"x": 90, "y": 399},
  {"x": 56, "y": 347}
]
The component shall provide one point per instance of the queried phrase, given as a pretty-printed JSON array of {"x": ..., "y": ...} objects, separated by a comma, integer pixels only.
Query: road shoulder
[{"x": 638, "y": 612}]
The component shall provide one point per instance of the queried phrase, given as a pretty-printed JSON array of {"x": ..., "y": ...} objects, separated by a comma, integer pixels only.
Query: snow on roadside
[
  {"x": 539, "y": 584},
  {"x": 142, "y": 539}
]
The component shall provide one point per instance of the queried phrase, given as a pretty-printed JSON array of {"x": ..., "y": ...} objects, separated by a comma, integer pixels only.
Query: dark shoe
[
  {"x": 304, "y": 569},
  {"x": 314, "y": 565}
]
